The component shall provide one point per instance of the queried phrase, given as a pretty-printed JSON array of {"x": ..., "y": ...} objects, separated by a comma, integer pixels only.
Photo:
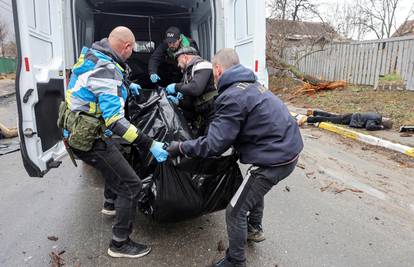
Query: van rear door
[
  {"x": 245, "y": 31},
  {"x": 40, "y": 81}
]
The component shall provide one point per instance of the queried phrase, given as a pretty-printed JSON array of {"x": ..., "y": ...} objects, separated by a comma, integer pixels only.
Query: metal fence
[
  {"x": 358, "y": 62},
  {"x": 7, "y": 65}
]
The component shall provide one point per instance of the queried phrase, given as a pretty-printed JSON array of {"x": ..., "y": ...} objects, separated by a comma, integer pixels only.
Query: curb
[
  {"x": 365, "y": 138},
  {"x": 368, "y": 139}
]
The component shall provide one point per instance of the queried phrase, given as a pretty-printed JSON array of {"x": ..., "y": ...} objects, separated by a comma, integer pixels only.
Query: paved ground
[
  {"x": 307, "y": 222},
  {"x": 6, "y": 88}
]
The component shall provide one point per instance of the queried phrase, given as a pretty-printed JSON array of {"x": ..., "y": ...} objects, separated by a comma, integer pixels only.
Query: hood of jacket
[
  {"x": 235, "y": 74},
  {"x": 103, "y": 46}
]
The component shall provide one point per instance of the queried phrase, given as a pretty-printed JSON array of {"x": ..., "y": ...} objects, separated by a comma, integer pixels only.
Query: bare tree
[
  {"x": 292, "y": 9},
  {"x": 380, "y": 16},
  {"x": 347, "y": 19},
  {"x": 3, "y": 36}
]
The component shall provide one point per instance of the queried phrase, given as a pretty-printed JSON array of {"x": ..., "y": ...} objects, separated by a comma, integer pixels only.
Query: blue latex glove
[
  {"x": 175, "y": 99},
  {"x": 170, "y": 89},
  {"x": 157, "y": 150},
  {"x": 134, "y": 88},
  {"x": 155, "y": 78},
  {"x": 108, "y": 133},
  {"x": 65, "y": 133}
]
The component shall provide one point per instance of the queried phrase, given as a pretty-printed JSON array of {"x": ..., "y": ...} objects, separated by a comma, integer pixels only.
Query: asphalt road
[{"x": 309, "y": 219}]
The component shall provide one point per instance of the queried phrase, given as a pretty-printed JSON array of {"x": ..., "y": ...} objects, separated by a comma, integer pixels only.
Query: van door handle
[{"x": 27, "y": 95}]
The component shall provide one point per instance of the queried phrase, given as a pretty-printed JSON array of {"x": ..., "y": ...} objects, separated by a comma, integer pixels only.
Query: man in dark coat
[{"x": 259, "y": 126}]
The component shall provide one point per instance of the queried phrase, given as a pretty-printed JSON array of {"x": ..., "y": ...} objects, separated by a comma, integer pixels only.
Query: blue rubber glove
[
  {"x": 108, "y": 133},
  {"x": 65, "y": 133},
  {"x": 157, "y": 150},
  {"x": 134, "y": 88},
  {"x": 170, "y": 89},
  {"x": 155, "y": 78},
  {"x": 175, "y": 99}
]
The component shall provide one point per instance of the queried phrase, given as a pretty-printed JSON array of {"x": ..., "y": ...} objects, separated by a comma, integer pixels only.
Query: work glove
[
  {"x": 174, "y": 149},
  {"x": 155, "y": 78},
  {"x": 175, "y": 99},
  {"x": 158, "y": 151},
  {"x": 134, "y": 88},
  {"x": 108, "y": 133},
  {"x": 170, "y": 89}
]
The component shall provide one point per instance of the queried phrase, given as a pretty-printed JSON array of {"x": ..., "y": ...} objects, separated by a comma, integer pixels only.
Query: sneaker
[
  {"x": 108, "y": 209},
  {"x": 255, "y": 234},
  {"x": 128, "y": 249},
  {"x": 226, "y": 262}
]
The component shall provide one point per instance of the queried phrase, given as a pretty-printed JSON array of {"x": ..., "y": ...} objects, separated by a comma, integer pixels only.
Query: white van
[{"x": 51, "y": 33}]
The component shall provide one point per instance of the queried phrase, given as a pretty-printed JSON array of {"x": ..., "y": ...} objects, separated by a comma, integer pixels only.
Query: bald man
[{"x": 98, "y": 88}]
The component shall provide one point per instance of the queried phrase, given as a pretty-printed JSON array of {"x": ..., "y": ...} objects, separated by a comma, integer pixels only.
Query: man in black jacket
[
  {"x": 165, "y": 54},
  {"x": 198, "y": 86},
  {"x": 371, "y": 121},
  {"x": 260, "y": 127}
]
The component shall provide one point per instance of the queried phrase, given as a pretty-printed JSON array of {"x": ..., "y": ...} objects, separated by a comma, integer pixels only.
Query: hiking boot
[
  {"x": 127, "y": 249},
  {"x": 108, "y": 209},
  {"x": 226, "y": 262},
  {"x": 255, "y": 234}
]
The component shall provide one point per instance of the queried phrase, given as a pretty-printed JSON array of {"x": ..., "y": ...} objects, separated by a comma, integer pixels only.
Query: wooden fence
[{"x": 358, "y": 62}]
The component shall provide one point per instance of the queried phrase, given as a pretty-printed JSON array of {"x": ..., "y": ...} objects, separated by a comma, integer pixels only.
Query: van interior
[{"x": 94, "y": 19}]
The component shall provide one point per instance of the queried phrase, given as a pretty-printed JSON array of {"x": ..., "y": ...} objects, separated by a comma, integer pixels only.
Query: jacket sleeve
[
  {"x": 156, "y": 58},
  {"x": 197, "y": 85},
  {"x": 373, "y": 126},
  {"x": 108, "y": 88},
  {"x": 222, "y": 132}
]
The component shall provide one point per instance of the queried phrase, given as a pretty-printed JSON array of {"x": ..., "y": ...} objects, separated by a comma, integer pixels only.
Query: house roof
[
  {"x": 301, "y": 29},
  {"x": 407, "y": 28}
]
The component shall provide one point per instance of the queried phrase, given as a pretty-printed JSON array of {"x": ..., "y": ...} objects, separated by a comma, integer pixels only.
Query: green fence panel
[{"x": 7, "y": 65}]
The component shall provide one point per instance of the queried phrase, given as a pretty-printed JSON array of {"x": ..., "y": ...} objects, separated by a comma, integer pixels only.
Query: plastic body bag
[{"x": 183, "y": 188}]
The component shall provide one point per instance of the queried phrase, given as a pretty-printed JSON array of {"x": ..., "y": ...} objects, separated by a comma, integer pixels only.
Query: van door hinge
[
  {"x": 28, "y": 132},
  {"x": 53, "y": 164}
]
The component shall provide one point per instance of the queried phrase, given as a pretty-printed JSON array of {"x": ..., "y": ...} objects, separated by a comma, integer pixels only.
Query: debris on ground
[
  {"x": 406, "y": 134},
  {"x": 310, "y": 175},
  {"x": 287, "y": 188},
  {"x": 299, "y": 165},
  {"x": 53, "y": 238},
  {"x": 311, "y": 89},
  {"x": 311, "y": 136},
  {"x": 220, "y": 246},
  {"x": 6, "y": 148},
  {"x": 56, "y": 259},
  {"x": 326, "y": 187}
]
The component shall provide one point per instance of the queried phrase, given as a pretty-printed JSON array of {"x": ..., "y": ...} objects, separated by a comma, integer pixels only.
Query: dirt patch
[{"x": 397, "y": 105}]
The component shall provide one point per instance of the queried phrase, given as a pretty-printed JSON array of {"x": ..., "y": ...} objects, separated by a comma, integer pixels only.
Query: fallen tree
[{"x": 310, "y": 84}]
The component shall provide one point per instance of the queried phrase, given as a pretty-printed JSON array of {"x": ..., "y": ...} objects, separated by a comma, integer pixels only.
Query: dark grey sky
[{"x": 6, "y": 16}]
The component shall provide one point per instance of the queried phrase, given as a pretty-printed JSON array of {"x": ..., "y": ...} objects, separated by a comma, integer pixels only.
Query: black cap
[{"x": 172, "y": 34}]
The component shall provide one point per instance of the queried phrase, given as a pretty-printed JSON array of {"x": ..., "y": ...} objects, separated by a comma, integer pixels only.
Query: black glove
[{"x": 174, "y": 149}]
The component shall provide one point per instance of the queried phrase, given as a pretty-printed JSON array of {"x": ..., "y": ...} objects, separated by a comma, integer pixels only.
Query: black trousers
[
  {"x": 321, "y": 116},
  {"x": 122, "y": 184},
  {"x": 247, "y": 204}
]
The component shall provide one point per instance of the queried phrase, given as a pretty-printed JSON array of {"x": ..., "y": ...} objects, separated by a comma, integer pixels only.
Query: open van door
[
  {"x": 40, "y": 82},
  {"x": 245, "y": 31}
]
